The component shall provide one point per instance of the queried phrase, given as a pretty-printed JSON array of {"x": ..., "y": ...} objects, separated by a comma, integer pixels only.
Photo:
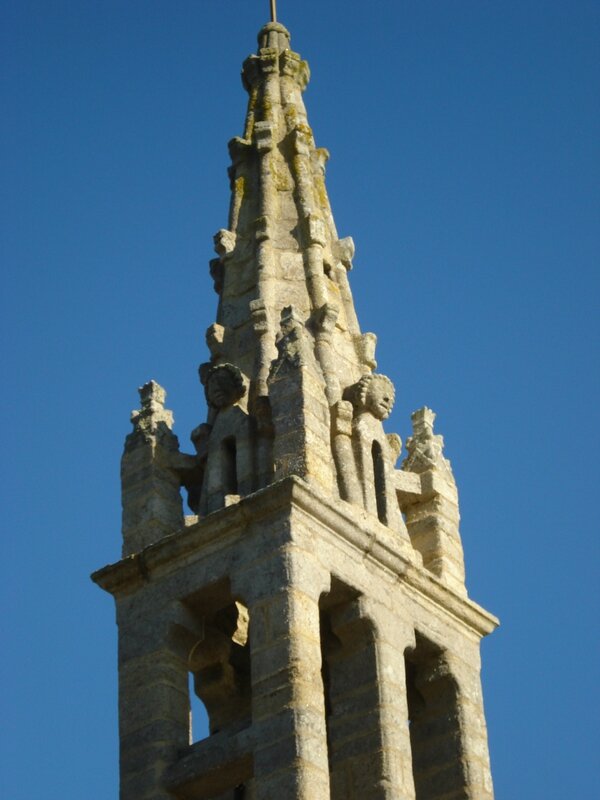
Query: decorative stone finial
[
  {"x": 291, "y": 341},
  {"x": 153, "y": 411},
  {"x": 432, "y": 516},
  {"x": 425, "y": 449},
  {"x": 422, "y": 421},
  {"x": 274, "y": 36}
]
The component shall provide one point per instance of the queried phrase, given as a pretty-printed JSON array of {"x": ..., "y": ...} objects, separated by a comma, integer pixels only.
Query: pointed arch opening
[{"x": 434, "y": 722}]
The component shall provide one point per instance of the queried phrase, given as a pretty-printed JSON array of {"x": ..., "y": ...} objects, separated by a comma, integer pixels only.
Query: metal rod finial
[{"x": 273, "y": 10}]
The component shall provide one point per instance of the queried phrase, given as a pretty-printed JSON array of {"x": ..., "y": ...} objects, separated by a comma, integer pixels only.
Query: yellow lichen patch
[
  {"x": 306, "y": 131},
  {"x": 321, "y": 192},
  {"x": 299, "y": 167},
  {"x": 291, "y": 116},
  {"x": 252, "y": 100},
  {"x": 267, "y": 106},
  {"x": 250, "y": 114},
  {"x": 281, "y": 178},
  {"x": 240, "y": 186}
]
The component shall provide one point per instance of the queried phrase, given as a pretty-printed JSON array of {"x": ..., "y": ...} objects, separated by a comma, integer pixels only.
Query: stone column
[
  {"x": 474, "y": 741},
  {"x": 369, "y": 743},
  {"x": 265, "y": 136},
  {"x": 288, "y": 712},
  {"x": 150, "y": 486},
  {"x": 154, "y": 709},
  {"x": 260, "y": 324},
  {"x": 343, "y": 251},
  {"x": 324, "y": 324},
  {"x": 343, "y": 452},
  {"x": 392, "y": 637},
  {"x": 432, "y": 516},
  {"x": 301, "y": 421},
  {"x": 314, "y": 234},
  {"x": 264, "y": 132}
]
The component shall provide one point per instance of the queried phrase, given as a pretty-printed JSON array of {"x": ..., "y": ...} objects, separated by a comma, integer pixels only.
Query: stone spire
[
  {"x": 285, "y": 309},
  {"x": 282, "y": 247}
]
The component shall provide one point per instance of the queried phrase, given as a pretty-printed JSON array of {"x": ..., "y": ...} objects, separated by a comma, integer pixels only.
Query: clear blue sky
[{"x": 465, "y": 163}]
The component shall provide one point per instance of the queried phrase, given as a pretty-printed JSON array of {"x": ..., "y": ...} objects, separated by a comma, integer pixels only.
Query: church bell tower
[{"x": 314, "y": 599}]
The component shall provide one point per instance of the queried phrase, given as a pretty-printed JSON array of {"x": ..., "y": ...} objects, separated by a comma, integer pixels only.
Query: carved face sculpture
[
  {"x": 379, "y": 397},
  {"x": 224, "y": 386}
]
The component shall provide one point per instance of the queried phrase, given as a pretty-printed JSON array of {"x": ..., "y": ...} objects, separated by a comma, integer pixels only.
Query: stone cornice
[
  {"x": 381, "y": 545},
  {"x": 369, "y": 538}
]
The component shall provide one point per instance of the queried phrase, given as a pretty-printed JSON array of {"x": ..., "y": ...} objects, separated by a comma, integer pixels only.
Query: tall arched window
[{"x": 434, "y": 719}]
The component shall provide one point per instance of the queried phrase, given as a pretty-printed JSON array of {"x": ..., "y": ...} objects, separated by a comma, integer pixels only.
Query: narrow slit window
[
  {"x": 230, "y": 482},
  {"x": 379, "y": 477}
]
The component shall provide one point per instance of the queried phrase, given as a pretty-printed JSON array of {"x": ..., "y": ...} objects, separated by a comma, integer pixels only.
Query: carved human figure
[
  {"x": 229, "y": 446},
  {"x": 373, "y": 454},
  {"x": 374, "y": 394},
  {"x": 224, "y": 386}
]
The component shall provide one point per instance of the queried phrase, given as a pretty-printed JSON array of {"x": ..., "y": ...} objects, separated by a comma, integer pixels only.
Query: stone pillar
[
  {"x": 392, "y": 637},
  {"x": 264, "y": 140},
  {"x": 447, "y": 726},
  {"x": 154, "y": 709},
  {"x": 150, "y": 486},
  {"x": 325, "y": 323},
  {"x": 301, "y": 419},
  {"x": 348, "y": 484},
  {"x": 343, "y": 252},
  {"x": 369, "y": 743},
  {"x": 288, "y": 712},
  {"x": 314, "y": 234},
  {"x": 260, "y": 325},
  {"x": 263, "y": 225},
  {"x": 474, "y": 741},
  {"x": 432, "y": 517}
]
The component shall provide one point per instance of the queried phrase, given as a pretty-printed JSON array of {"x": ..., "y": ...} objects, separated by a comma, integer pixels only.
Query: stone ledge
[
  {"x": 212, "y": 766},
  {"x": 408, "y": 485}
]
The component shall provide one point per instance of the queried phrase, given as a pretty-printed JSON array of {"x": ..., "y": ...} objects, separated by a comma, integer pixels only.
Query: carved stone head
[
  {"x": 224, "y": 385},
  {"x": 375, "y": 394}
]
